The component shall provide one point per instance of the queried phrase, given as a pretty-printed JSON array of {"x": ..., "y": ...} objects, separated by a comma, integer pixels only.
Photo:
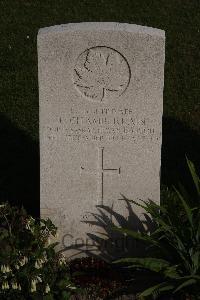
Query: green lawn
[{"x": 20, "y": 21}]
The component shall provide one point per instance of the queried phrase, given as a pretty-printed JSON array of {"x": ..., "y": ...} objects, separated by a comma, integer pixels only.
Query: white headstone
[{"x": 101, "y": 104}]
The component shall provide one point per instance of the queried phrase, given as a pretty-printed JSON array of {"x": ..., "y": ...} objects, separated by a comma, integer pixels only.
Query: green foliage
[
  {"x": 30, "y": 268},
  {"x": 173, "y": 250}
]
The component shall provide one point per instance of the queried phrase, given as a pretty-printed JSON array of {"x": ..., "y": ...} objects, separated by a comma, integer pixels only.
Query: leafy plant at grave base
[
  {"x": 173, "y": 248},
  {"x": 30, "y": 268}
]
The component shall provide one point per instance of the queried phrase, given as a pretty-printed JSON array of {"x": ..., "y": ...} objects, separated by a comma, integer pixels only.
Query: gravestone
[{"x": 101, "y": 104}]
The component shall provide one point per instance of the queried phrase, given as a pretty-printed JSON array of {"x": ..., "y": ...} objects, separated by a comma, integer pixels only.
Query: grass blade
[{"x": 194, "y": 174}]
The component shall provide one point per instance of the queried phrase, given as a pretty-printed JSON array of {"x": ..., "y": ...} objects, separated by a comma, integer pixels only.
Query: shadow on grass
[
  {"x": 178, "y": 141},
  {"x": 19, "y": 168}
]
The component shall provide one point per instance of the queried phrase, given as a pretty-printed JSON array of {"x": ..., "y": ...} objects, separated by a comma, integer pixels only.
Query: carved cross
[{"x": 100, "y": 173}]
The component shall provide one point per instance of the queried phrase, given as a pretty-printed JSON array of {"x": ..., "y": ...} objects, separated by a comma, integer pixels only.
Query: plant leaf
[
  {"x": 186, "y": 207},
  {"x": 150, "y": 263},
  {"x": 194, "y": 174},
  {"x": 157, "y": 289},
  {"x": 137, "y": 235},
  {"x": 184, "y": 284}
]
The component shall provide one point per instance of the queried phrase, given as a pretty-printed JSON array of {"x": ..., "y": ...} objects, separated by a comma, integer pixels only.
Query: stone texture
[{"x": 101, "y": 104}]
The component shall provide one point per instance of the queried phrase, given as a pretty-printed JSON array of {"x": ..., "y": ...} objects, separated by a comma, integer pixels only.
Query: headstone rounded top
[{"x": 101, "y": 26}]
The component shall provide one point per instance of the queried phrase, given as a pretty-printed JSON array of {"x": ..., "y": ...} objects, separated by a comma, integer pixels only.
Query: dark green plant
[
  {"x": 30, "y": 268},
  {"x": 173, "y": 247}
]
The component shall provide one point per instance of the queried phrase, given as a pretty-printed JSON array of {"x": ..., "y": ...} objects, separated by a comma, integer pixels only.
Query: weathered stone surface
[{"x": 101, "y": 104}]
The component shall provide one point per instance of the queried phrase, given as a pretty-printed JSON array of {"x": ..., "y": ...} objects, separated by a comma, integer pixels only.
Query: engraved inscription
[
  {"x": 104, "y": 125},
  {"x": 100, "y": 73},
  {"x": 100, "y": 173}
]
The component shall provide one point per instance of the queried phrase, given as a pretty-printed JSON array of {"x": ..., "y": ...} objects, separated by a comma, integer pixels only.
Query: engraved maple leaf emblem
[{"x": 100, "y": 72}]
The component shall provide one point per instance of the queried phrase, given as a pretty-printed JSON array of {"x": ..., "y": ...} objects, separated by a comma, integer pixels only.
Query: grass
[{"x": 21, "y": 19}]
